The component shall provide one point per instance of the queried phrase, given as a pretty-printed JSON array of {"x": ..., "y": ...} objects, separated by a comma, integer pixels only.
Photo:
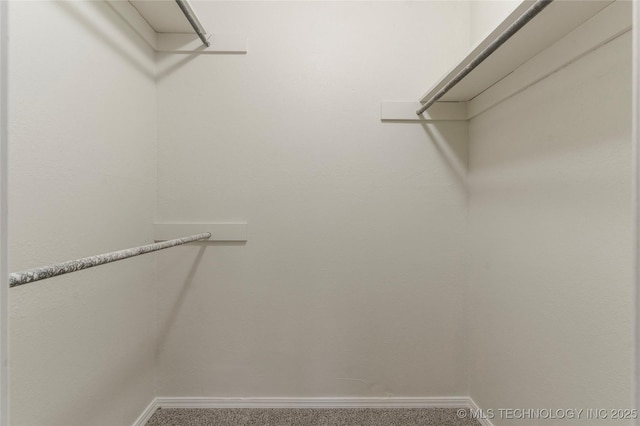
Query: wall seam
[{"x": 155, "y": 219}]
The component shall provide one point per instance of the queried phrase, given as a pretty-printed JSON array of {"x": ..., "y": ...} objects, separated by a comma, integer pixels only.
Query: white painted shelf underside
[
  {"x": 165, "y": 28},
  {"x": 563, "y": 32}
]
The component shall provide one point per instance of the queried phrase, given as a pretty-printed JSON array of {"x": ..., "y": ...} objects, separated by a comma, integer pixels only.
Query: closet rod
[
  {"x": 194, "y": 21},
  {"x": 527, "y": 16},
  {"x": 44, "y": 272}
]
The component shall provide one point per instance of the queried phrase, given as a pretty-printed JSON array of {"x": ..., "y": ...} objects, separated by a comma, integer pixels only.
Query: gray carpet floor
[{"x": 310, "y": 417}]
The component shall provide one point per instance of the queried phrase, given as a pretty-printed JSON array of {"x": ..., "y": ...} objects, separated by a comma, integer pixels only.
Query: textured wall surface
[
  {"x": 356, "y": 277},
  {"x": 486, "y": 15},
  {"x": 82, "y": 181},
  {"x": 551, "y": 238},
  {"x": 352, "y": 282}
]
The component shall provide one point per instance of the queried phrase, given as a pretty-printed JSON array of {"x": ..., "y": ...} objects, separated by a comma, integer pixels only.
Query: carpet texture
[{"x": 310, "y": 417}]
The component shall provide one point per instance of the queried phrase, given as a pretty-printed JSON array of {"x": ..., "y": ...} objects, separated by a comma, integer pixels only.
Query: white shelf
[
  {"x": 563, "y": 32},
  {"x": 165, "y": 28},
  {"x": 163, "y": 16},
  {"x": 554, "y": 22}
]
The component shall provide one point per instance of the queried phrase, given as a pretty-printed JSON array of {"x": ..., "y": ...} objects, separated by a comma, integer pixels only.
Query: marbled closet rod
[{"x": 44, "y": 272}]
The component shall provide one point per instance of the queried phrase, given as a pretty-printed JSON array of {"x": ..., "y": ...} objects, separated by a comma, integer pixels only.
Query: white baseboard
[
  {"x": 475, "y": 409},
  {"x": 197, "y": 402},
  {"x": 446, "y": 402},
  {"x": 147, "y": 413}
]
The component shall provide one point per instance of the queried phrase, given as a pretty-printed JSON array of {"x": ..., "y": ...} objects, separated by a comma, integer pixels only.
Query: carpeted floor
[{"x": 311, "y": 417}]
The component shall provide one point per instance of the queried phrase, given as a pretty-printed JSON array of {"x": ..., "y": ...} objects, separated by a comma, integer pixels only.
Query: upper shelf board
[
  {"x": 164, "y": 16},
  {"x": 512, "y": 76},
  {"x": 554, "y": 22},
  {"x": 164, "y": 27}
]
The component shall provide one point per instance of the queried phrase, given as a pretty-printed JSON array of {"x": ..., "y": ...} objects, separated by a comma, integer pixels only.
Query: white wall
[
  {"x": 486, "y": 15},
  {"x": 551, "y": 238},
  {"x": 636, "y": 196},
  {"x": 4, "y": 197},
  {"x": 82, "y": 181},
  {"x": 353, "y": 280}
]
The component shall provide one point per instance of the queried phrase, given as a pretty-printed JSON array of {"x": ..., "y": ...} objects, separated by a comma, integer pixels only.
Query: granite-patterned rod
[
  {"x": 194, "y": 21},
  {"x": 527, "y": 16},
  {"x": 44, "y": 272}
]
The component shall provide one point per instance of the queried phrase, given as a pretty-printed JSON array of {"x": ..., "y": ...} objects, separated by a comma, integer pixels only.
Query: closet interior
[{"x": 356, "y": 244}]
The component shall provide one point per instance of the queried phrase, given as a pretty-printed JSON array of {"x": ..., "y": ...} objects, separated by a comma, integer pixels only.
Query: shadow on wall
[
  {"x": 141, "y": 57},
  {"x": 164, "y": 69},
  {"x": 165, "y": 328},
  {"x": 453, "y": 150},
  {"x": 560, "y": 117}
]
